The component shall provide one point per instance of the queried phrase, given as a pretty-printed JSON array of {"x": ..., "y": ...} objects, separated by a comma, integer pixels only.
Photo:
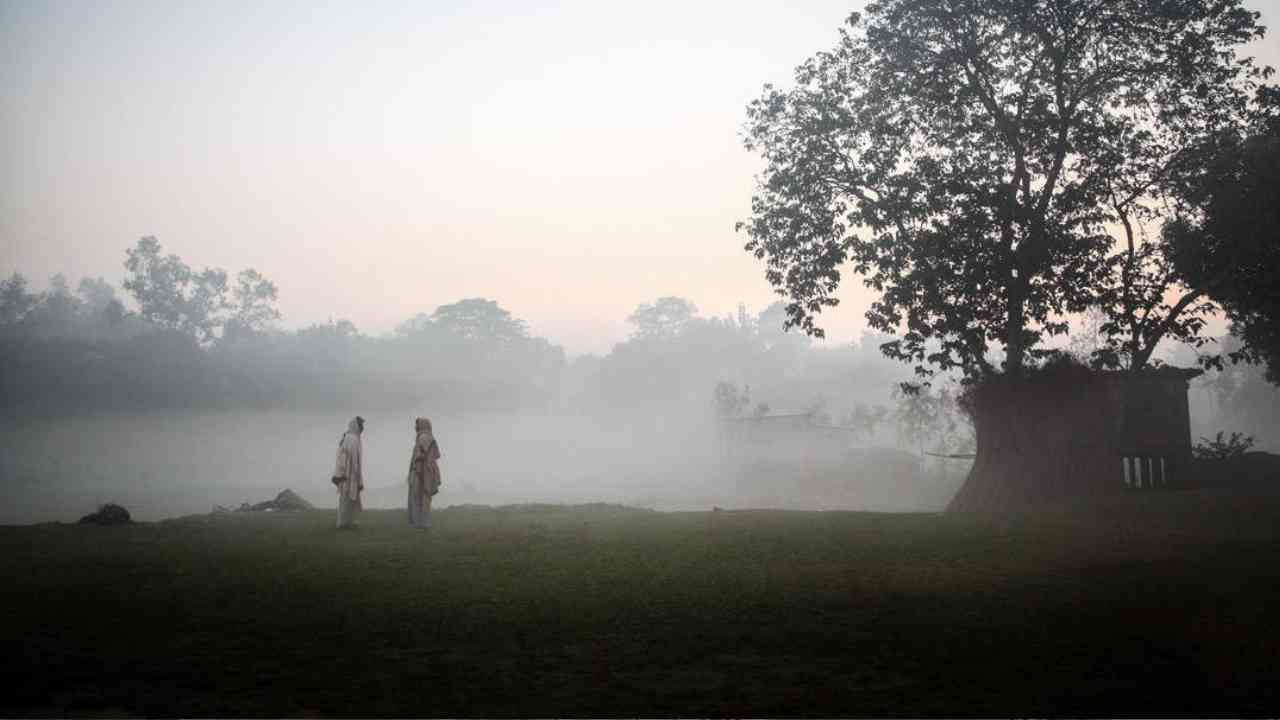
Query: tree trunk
[
  {"x": 1014, "y": 324},
  {"x": 1042, "y": 439}
]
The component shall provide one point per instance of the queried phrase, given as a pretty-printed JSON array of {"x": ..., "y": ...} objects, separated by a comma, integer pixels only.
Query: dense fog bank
[
  {"x": 163, "y": 464},
  {"x": 175, "y": 413}
]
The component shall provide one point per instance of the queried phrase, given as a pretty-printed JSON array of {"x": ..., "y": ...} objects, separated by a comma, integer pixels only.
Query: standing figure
[
  {"x": 348, "y": 472},
  {"x": 424, "y": 474}
]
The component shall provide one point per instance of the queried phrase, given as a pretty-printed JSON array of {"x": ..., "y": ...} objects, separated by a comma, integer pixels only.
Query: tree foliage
[
  {"x": 728, "y": 401},
  {"x": 479, "y": 319},
  {"x": 967, "y": 156},
  {"x": 15, "y": 300},
  {"x": 253, "y": 307},
  {"x": 1220, "y": 448},
  {"x": 665, "y": 318},
  {"x": 172, "y": 295},
  {"x": 1226, "y": 240}
]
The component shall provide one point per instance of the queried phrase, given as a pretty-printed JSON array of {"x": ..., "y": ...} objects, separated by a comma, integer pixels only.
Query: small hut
[
  {"x": 1069, "y": 432},
  {"x": 1154, "y": 426}
]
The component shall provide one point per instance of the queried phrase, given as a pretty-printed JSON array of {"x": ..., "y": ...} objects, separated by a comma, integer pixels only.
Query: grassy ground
[{"x": 1153, "y": 606}]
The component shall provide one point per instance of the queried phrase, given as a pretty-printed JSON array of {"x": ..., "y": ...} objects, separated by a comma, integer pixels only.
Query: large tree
[
  {"x": 1225, "y": 241},
  {"x": 970, "y": 158},
  {"x": 965, "y": 156}
]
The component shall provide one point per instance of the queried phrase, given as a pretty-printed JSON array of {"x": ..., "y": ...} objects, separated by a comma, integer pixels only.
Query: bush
[{"x": 1218, "y": 449}]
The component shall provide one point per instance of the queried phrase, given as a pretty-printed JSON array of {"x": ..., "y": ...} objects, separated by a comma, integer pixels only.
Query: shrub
[{"x": 1218, "y": 449}]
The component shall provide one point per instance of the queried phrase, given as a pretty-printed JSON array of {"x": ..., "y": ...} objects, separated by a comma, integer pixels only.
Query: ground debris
[
  {"x": 286, "y": 501},
  {"x": 108, "y": 514}
]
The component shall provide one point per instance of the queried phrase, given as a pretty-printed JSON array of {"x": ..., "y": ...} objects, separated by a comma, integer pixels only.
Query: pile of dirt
[
  {"x": 109, "y": 514},
  {"x": 286, "y": 501}
]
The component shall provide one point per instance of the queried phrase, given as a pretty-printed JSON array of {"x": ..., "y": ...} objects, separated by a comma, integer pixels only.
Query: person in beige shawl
[
  {"x": 348, "y": 472},
  {"x": 424, "y": 474}
]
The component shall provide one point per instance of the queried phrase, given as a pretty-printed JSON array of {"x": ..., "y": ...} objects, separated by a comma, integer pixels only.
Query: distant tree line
[
  {"x": 170, "y": 336},
  {"x": 676, "y": 362},
  {"x": 195, "y": 339}
]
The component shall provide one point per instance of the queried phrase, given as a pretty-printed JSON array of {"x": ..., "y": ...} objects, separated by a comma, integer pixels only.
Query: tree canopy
[
  {"x": 968, "y": 159},
  {"x": 171, "y": 294},
  {"x": 479, "y": 319},
  {"x": 665, "y": 318},
  {"x": 1227, "y": 240}
]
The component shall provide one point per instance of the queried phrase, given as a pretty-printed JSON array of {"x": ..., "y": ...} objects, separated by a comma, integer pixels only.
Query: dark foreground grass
[{"x": 1159, "y": 606}]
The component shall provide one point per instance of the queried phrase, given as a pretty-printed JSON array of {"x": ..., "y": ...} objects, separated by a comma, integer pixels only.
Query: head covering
[{"x": 426, "y": 451}]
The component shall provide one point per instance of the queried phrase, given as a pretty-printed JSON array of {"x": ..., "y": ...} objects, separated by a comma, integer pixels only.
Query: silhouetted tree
[
  {"x": 15, "y": 300},
  {"x": 479, "y": 319},
  {"x": 965, "y": 157},
  {"x": 1226, "y": 241},
  {"x": 865, "y": 419},
  {"x": 173, "y": 296},
  {"x": 415, "y": 325},
  {"x": 665, "y": 318},
  {"x": 96, "y": 294},
  {"x": 253, "y": 304},
  {"x": 772, "y": 324},
  {"x": 728, "y": 401}
]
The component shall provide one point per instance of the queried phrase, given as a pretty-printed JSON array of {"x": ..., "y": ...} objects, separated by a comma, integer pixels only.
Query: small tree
[
  {"x": 928, "y": 417},
  {"x": 664, "y": 319},
  {"x": 15, "y": 300},
  {"x": 728, "y": 402},
  {"x": 866, "y": 420},
  {"x": 253, "y": 303},
  {"x": 97, "y": 294}
]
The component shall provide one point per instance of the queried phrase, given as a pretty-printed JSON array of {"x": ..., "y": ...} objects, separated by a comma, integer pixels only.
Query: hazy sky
[{"x": 379, "y": 159}]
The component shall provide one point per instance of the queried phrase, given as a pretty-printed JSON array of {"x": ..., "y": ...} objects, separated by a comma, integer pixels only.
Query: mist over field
[
  {"x": 690, "y": 412},
  {"x": 162, "y": 464},
  {"x": 165, "y": 463}
]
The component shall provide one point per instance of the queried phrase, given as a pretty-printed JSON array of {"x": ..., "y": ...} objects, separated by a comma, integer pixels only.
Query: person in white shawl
[
  {"x": 424, "y": 474},
  {"x": 348, "y": 472}
]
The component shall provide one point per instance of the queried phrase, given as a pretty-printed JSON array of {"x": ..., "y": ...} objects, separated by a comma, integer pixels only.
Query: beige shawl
[
  {"x": 349, "y": 463},
  {"x": 422, "y": 463}
]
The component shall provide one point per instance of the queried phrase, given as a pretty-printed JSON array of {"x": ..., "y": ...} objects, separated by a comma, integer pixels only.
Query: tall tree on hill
[{"x": 966, "y": 158}]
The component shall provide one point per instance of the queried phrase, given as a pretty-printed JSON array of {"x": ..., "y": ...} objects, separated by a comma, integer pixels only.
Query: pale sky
[{"x": 378, "y": 159}]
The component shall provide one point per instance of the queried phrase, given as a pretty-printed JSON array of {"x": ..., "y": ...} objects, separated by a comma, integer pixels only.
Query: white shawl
[{"x": 349, "y": 463}]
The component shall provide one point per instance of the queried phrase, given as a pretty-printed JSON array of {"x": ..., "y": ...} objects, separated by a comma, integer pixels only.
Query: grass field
[{"x": 1159, "y": 605}]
